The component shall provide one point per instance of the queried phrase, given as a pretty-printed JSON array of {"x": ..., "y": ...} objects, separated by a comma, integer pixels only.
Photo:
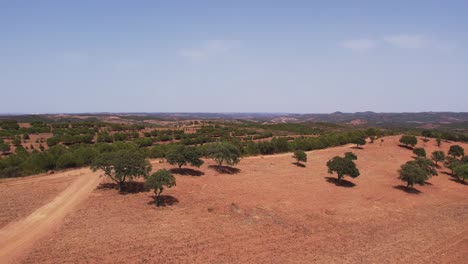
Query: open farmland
[{"x": 269, "y": 211}]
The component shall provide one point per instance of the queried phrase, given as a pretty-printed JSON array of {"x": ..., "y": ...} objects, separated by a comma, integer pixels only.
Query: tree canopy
[
  {"x": 300, "y": 155},
  {"x": 456, "y": 151},
  {"x": 461, "y": 172},
  {"x": 122, "y": 165},
  {"x": 157, "y": 181},
  {"x": 183, "y": 155},
  {"x": 417, "y": 171},
  {"x": 412, "y": 174},
  {"x": 343, "y": 166},
  {"x": 408, "y": 140},
  {"x": 359, "y": 141},
  {"x": 224, "y": 152},
  {"x": 420, "y": 152},
  {"x": 427, "y": 165},
  {"x": 438, "y": 156},
  {"x": 4, "y": 147},
  {"x": 350, "y": 156}
]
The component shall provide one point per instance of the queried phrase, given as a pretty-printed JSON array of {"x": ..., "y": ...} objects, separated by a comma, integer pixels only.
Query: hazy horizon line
[{"x": 225, "y": 113}]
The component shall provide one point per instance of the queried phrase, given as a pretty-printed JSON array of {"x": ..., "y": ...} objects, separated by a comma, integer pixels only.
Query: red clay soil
[
  {"x": 19, "y": 197},
  {"x": 273, "y": 211},
  {"x": 18, "y": 236}
]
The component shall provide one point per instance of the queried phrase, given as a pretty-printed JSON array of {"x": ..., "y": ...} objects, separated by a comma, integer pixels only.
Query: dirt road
[{"x": 17, "y": 237}]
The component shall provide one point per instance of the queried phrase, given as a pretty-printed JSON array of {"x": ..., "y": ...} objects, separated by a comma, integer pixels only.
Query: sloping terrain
[{"x": 272, "y": 211}]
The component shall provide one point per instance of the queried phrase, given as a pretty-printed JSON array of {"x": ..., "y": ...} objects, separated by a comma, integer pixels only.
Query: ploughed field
[{"x": 267, "y": 211}]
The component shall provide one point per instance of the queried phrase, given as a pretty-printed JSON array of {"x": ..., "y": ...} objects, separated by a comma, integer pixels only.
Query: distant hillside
[{"x": 422, "y": 119}]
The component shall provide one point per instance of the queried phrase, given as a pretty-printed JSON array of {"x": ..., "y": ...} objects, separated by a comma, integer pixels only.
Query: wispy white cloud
[
  {"x": 418, "y": 41},
  {"x": 401, "y": 41},
  {"x": 362, "y": 44},
  {"x": 408, "y": 41},
  {"x": 209, "y": 49}
]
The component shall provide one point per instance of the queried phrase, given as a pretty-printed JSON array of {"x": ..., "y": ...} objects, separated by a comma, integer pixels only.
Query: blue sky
[{"x": 233, "y": 56}]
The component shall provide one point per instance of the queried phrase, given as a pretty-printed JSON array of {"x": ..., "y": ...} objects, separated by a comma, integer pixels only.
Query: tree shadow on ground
[
  {"x": 299, "y": 164},
  {"x": 457, "y": 180},
  {"x": 225, "y": 169},
  {"x": 356, "y": 147},
  {"x": 165, "y": 200},
  {"x": 448, "y": 174},
  {"x": 404, "y": 146},
  {"x": 452, "y": 176},
  {"x": 130, "y": 187},
  {"x": 428, "y": 183},
  {"x": 187, "y": 171},
  {"x": 407, "y": 189},
  {"x": 342, "y": 183}
]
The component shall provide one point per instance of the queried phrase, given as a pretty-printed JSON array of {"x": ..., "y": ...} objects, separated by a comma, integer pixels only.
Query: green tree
[
  {"x": 143, "y": 142},
  {"x": 300, "y": 155},
  {"x": 359, "y": 141},
  {"x": 183, "y": 155},
  {"x": 17, "y": 141},
  {"x": 120, "y": 137},
  {"x": 412, "y": 174},
  {"x": 104, "y": 137},
  {"x": 439, "y": 141},
  {"x": 461, "y": 172},
  {"x": 4, "y": 147},
  {"x": 420, "y": 152},
  {"x": 67, "y": 161},
  {"x": 343, "y": 166},
  {"x": 426, "y": 133},
  {"x": 451, "y": 163},
  {"x": 408, "y": 140},
  {"x": 52, "y": 141},
  {"x": 350, "y": 156},
  {"x": 464, "y": 159},
  {"x": 438, "y": 156},
  {"x": 26, "y": 136},
  {"x": 122, "y": 165},
  {"x": 427, "y": 165},
  {"x": 224, "y": 152},
  {"x": 456, "y": 151},
  {"x": 159, "y": 180}
]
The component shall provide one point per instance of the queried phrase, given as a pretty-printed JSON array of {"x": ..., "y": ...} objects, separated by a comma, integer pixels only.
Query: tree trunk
[
  {"x": 158, "y": 198},
  {"x": 121, "y": 186}
]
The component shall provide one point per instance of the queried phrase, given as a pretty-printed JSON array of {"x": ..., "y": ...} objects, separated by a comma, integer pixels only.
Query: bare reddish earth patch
[
  {"x": 272, "y": 211},
  {"x": 19, "y": 197}
]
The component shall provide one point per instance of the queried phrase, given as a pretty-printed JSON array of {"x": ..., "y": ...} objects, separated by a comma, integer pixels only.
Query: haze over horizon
[{"x": 243, "y": 56}]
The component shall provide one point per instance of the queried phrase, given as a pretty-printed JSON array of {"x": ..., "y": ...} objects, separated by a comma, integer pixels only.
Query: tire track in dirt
[
  {"x": 449, "y": 248},
  {"x": 17, "y": 237}
]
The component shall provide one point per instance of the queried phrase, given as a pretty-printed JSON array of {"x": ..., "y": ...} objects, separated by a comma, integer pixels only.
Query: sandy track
[{"x": 17, "y": 237}]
